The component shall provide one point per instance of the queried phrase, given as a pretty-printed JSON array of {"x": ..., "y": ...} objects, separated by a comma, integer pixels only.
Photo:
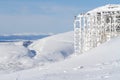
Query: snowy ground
[
  {"x": 16, "y": 56},
  {"x": 53, "y": 48},
  {"x": 101, "y": 63}
]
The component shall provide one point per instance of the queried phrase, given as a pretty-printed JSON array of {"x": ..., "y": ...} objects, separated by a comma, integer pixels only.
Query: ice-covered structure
[{"x": 95, "y": 27}]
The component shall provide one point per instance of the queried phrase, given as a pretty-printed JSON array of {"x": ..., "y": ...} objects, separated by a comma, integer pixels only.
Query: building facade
[{"x": 96, "y": 27}]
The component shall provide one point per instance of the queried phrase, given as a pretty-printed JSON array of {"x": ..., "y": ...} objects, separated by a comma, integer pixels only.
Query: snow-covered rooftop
[
  {"x": 106, "y": 8},
  {"x": 109, "y": 7}
]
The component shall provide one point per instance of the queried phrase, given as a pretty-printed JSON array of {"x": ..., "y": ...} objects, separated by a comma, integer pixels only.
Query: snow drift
[
  {"x": 53, "y": 48},
  {"x": 14, "y": 57},
  {"x": 100, "y": 63},
  {"x": 105, "y": 53}
]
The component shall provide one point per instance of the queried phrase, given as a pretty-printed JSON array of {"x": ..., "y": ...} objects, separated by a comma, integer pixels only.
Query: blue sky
[{"x": 43, "y": 16}]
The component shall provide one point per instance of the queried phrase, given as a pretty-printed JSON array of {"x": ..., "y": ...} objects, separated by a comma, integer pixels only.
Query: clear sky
[{"x": 43, "y": 16}]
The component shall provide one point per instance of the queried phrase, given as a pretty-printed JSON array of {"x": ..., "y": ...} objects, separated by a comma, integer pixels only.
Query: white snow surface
[
  {"x": 14, "y": 58},
  {"x": 11, "y": 51},
  {"x": 100, "y": 63},
  {"x": 106, "y": 8},
  {"x": 109, "y": 7},
  {"x": 54, "y": 48}
]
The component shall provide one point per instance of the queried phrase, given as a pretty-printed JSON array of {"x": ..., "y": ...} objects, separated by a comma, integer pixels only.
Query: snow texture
[
  {"x": 53, "y": 48},
  {"x": 100, "y": 63},
  {"x": 14, "y": 57}
]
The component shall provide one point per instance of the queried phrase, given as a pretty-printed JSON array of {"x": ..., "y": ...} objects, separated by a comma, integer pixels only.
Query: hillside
[
  {"x": 53, "y": 48},
  {"x": 15, "y": 56},
  {"x": 101, "y": 63}
]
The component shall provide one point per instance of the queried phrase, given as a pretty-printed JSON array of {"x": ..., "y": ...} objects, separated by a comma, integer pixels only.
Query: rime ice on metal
[{"x": 96, "y": 27}]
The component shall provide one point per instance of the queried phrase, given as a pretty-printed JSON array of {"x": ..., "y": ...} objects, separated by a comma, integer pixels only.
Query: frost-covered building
[{"x": 95, "y": 27}]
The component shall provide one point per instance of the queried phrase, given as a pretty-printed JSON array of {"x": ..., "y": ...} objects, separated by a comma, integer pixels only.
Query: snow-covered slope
[
  {"x": 53, "y": 48},
  {"x": 101, "y": 63},
  {"x": 109, "y": 7},
  {"x": 14, "y": 57},
  {"x": 105, "y": 53}
]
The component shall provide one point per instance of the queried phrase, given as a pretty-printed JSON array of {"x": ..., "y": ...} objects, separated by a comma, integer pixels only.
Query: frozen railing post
[{"x": 96, "y": 27}]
